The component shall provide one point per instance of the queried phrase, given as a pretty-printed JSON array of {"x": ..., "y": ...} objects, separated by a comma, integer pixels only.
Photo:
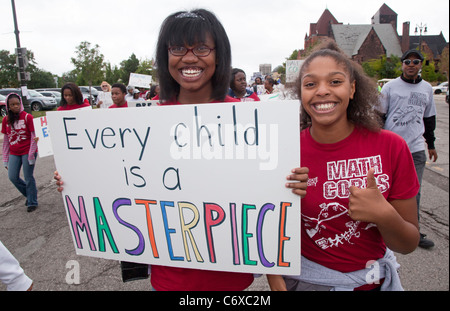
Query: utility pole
[{"x": 22, "y": 62}]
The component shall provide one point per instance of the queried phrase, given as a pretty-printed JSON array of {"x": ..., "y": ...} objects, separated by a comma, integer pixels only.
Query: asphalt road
[{"x": 42, "y": 241}]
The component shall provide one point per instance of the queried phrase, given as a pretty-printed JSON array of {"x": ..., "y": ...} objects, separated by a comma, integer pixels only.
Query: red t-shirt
[
  {"x": 329, "y": 236},
  {"x": 181, "y": 279},
  {"x": 20, "y": 135},
  {"x": 73, "y": 107},
  {"x": 115, "y": 106}
]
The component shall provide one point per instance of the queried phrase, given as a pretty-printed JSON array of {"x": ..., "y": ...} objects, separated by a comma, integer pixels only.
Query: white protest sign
[
  {"x": 293, "y": 70},
  {"x": 140, "y": 80},
  {"x": 142, "y": 103},
  {"x": 43, "y": 133},
  {"x": 193, "y": 186}
]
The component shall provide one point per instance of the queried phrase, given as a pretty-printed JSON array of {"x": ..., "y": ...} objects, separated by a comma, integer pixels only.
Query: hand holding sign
[
  {"x": 368, "y": 204},
  {"x": 299, "y": 174}
]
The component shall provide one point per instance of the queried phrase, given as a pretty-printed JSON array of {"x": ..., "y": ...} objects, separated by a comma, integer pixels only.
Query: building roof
[
  {"x": 435, "y": 42},
  {"x": 322, "y": 25},
  {"x": 350, "y": 38},
  {"x": 384, "y": 10}
]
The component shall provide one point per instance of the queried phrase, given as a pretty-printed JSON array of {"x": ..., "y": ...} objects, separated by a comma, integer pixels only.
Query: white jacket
[{"x": 11, "y": 273}]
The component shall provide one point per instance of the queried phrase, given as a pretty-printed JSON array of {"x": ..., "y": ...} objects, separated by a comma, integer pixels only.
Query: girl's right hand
[
  {"x": 299, "y": 177},
  {"x": 59, "y": 182}
]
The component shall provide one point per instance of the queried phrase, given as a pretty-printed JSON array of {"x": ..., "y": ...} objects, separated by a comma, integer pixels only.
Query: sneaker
[
  {"x": 424, "y": 242},
  {"x": 31, "y": 209}
]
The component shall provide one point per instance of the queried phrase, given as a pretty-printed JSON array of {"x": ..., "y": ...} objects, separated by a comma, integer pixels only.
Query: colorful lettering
[
  {"x": 186, "y": 229},
  {"x": 234, "y": 235},
  {"x": 210, "y": 222},
  {"x": 103, "y": 228},
  {"x": 282, "y": 237},
  {"x": 246, "y": 235},
  {"x": 79, "y": 220},
  {"x": 151, "y": 232},
  {"x": 141, "y": 246},
  {"x": 259, "y": 233},
  {"x": 168, "y": 230}
]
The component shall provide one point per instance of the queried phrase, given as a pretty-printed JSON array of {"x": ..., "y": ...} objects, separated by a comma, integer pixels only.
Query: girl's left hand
[
  {"x": 300, "y": 177},
  {"x": 369, "y": 204}
]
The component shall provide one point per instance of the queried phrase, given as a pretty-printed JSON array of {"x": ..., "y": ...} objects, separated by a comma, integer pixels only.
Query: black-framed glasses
[
  {"x": 199, "y": 51},
  {"x": 407, "y": 62}
]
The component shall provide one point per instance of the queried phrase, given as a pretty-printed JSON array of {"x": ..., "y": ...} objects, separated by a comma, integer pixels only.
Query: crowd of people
[{"x": 342, "y": 229}]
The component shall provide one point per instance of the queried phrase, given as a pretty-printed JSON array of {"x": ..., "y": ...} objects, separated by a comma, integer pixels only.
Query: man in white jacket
[{"x": 11, "y": 273}]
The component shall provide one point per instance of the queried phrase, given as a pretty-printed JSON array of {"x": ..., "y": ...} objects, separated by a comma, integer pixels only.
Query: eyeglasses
[
  {"x": 199, "y": 51},
  {"x": 407, "y": 62}
]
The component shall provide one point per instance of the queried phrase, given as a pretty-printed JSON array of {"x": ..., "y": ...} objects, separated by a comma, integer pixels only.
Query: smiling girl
[
  {"x": 361, "y": 204},
  {"x": 194, "y": 60}
]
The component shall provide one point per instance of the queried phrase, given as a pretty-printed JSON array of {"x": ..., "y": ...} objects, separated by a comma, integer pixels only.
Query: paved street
[{"x": 42, "y": 242}]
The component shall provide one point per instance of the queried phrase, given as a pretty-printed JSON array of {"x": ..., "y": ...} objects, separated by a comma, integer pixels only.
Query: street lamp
[{"x": 419, "y": 29}]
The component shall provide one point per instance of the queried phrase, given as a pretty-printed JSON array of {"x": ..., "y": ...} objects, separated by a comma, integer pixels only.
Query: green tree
[
  {"x": 112, "y": 73},
  {"x": 383, "y": 67},
  {"x": 69, "y": 76},
  {"x": 145, "y": 67},
  {"x": 8, "y": 70},
  {"x": 41, "y": 79},
  {"x": 429, "y": 71},
  {"x": 89, "y": 64},
  {"x": 128, "y": 66}
]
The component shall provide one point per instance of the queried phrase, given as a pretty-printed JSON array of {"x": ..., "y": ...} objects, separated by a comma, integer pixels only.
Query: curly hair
[{"x": 361, "y": 110}]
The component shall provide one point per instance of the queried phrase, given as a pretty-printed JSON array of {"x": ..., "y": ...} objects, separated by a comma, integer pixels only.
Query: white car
[{"x": 441, "y": 88}]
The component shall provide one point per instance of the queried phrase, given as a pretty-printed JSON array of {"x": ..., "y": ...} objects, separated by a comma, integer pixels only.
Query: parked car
[
  {"x": 36, "y": 100},
  {"x": 92, "y": 96},
  {"x": 382, "y": 82},
  {"x": 3, "y": 110},
  {"x": 54, "y": 94},
  {"x": 441, "y": 88}
]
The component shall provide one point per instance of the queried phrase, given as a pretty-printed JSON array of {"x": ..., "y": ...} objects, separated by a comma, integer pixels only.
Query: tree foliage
[
  {"x": 89, "y": 63},
  {"x": 128, "y": 66},
  {"x": 383, "y": 67}
]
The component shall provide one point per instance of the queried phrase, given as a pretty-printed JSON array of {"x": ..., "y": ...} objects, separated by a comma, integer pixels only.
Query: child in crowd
[
  {"x": 118, "y": 93},
  {"x": 72, "y": 98},
  {"x": 362, "y": 183},
  {"x": 238, "y": 86},
  {"x": 20, "y": 149}
]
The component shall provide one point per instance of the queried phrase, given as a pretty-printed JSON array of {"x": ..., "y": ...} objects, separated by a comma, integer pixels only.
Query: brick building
[{"x": 370, "y": 41}]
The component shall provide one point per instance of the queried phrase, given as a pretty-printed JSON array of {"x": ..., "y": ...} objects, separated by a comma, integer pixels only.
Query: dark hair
[
  {"x": 76, "y": 93},
  {"x": 361, "y": 110},
  {"x": 12, "y": 117},
  {"x": 152, "y": 92},
  {"x": 121, "y": 86},
  {"x": 271, "y": 81},
  {"x": 234, "y": 71},
  {"x": 189, "y": 28}
]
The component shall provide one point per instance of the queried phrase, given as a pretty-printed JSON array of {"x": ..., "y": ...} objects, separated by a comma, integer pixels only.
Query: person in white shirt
[{"x": 11, "y": 274}]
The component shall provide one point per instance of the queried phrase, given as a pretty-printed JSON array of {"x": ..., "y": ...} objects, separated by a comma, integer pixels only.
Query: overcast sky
[{"x": 260, "y": 31}]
